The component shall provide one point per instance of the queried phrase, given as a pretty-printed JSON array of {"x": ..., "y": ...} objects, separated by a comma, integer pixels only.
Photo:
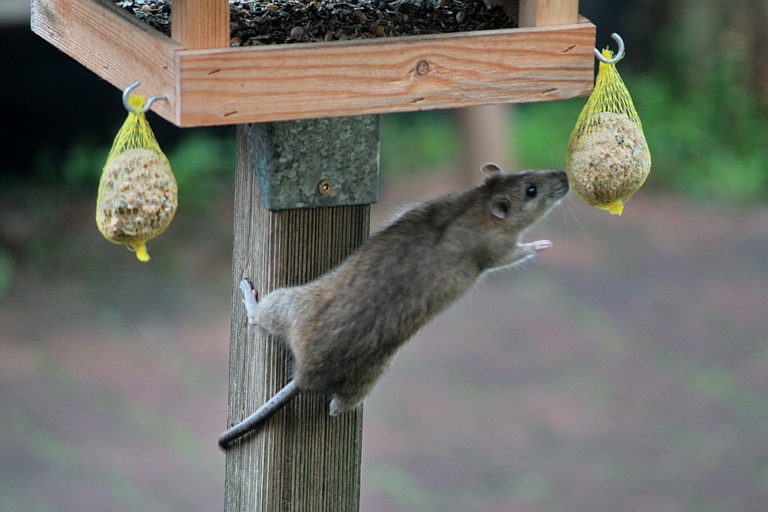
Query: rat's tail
[{"x": 252, "y": 422}]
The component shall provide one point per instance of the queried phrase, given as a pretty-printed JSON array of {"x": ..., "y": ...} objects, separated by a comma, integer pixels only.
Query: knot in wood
[{"x": 422, "y": 67}]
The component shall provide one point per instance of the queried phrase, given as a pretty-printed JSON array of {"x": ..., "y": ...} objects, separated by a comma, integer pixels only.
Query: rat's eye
[{"x": 530, "y": 191}]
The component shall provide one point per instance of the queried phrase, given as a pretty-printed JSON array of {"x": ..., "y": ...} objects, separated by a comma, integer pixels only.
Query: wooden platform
[{"x": 222, "y": 85}]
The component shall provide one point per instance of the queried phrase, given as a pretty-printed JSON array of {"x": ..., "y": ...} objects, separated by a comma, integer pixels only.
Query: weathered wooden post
[
  {"x": 301, "y": 459},
  {"x": 303, "y": 186}
]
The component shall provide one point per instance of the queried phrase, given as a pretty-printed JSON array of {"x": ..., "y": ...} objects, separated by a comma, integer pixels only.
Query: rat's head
[{"x": 517, "y": 200}]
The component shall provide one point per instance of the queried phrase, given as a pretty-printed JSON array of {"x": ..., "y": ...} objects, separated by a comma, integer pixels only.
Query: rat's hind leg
[{"x": 275, "y": 311}]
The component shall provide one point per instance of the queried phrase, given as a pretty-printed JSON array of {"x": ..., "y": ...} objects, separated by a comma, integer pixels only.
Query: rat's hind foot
[{"x": 250, "y": 300}]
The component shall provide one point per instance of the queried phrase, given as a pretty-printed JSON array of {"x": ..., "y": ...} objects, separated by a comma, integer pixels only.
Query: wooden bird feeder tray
[{"x": 209, "y": 83}]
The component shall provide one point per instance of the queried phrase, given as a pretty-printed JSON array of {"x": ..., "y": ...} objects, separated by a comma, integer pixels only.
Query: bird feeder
[
  {"x": 307, "y": 170},
  {"x": 208, "y": 83}
]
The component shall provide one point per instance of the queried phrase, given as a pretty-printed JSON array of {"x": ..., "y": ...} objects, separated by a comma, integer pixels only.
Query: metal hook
[
  {"x": 619, "y": 54},
  {"x": 150, "y": 100}
]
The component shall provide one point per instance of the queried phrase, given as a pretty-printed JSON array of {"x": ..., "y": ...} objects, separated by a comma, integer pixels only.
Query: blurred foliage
[
  {"x": 693, "y": 43},
  {"x": 76, "y": 168},
  {"x": 703, "y": 95},
  {"x": 704, "y": 148},
  {"x": 6, "y": 272},
  {"x": 418, "y": 141},
  {"x": 203, "y": 167}
]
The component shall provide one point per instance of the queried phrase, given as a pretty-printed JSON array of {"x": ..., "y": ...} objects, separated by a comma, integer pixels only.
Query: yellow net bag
[
  {"x": 608, "y": 156},
  {"x": 138, "y": 195}
]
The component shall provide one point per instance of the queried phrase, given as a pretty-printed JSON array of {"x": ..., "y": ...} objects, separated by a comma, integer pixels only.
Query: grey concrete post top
[{"x": 301, "y": 164}]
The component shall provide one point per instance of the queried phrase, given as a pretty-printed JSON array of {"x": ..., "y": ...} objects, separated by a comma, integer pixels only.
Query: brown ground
[{"x": 624, "y": 370}]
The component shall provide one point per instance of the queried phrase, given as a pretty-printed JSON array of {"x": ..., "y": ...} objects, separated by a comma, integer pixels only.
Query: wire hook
[
  {"x": 619, "y": 54},
  {"x": 150, "y": 100}
]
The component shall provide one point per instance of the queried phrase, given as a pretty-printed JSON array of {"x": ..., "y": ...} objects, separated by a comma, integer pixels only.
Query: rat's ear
[
  {"x": 500, "y": 207},
  {"x": 490, "y": 168}
]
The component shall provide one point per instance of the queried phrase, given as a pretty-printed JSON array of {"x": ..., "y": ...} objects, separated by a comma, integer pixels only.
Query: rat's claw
[
  {"x": 541, "y": 245},
  {"x": 250, "y": 300},
  {"x": 246, "y": 287}
]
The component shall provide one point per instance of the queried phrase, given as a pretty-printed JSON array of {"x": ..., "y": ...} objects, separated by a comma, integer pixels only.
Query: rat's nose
[{"x": 559, "y": 183}]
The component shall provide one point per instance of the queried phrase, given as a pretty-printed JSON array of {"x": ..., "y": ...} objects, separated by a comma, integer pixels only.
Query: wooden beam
[
  {"x": 199, "y": 24},
  {"x": 240, "y": 85},
  {"x": 544, "y": 13},
  {"x": 115, "y": 46}
]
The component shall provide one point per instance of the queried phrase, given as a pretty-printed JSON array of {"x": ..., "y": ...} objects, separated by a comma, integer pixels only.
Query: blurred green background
[{"x": 626, "y": 370}]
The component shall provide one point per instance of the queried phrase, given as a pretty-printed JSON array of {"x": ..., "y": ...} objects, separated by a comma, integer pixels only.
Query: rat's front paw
[
  {"x": 250, "y": 300},
  {"x": 541, "y": 245}
]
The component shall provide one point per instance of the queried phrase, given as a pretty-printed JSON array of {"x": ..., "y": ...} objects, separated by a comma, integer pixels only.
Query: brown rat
[{"x": 344, "y": 327}]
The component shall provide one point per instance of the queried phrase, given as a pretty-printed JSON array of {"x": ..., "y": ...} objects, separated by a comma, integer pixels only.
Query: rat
[{"x": 344, "y": 327}]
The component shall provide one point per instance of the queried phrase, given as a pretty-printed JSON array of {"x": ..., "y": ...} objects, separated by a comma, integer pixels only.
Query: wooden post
[{"x": 301, "y": 460}]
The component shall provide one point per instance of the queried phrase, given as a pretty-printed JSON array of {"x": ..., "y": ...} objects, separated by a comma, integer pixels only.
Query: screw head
[{"x": 325, "y": 187}]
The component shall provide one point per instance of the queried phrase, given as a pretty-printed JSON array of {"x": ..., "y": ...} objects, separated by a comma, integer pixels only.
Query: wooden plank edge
[
  {"x": 220, "y": 86},
  {"x": 116, "y": 46}
]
